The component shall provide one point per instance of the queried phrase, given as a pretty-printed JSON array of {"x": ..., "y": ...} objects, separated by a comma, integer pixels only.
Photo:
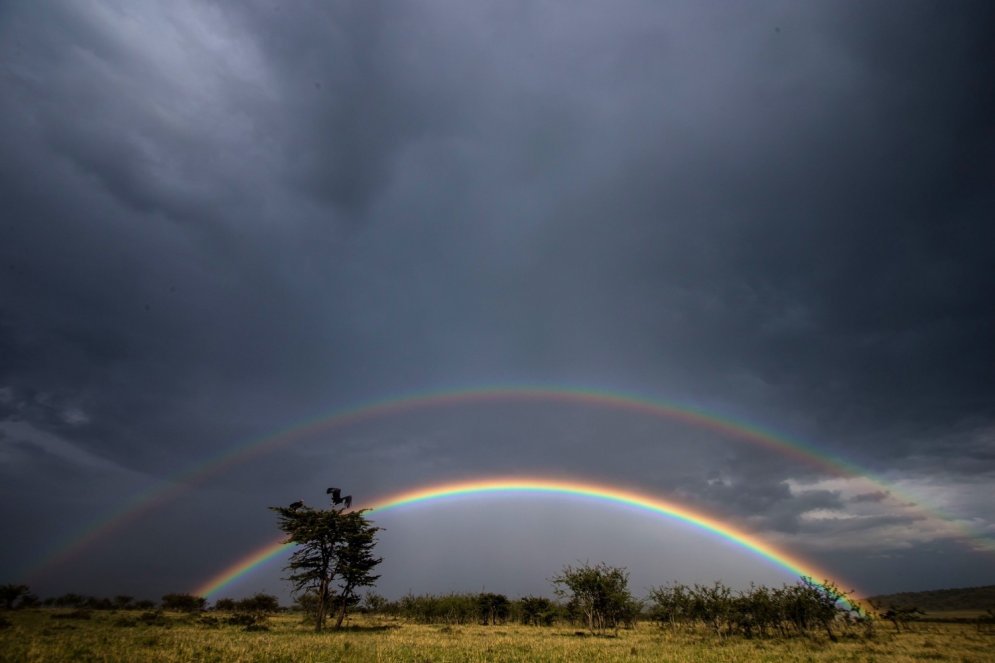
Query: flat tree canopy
[{"x": 334, "y": 557}]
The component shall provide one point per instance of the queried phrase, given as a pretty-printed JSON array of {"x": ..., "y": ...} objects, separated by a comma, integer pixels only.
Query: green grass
[{"x": 34, "y": 635}]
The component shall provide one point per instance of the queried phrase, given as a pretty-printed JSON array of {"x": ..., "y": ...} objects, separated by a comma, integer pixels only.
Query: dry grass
[{"x": 33, "y": 635}]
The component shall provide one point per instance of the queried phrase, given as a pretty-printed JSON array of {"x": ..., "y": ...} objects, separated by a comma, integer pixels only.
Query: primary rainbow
[
  {"x": 609, "y": 494},
  {"x": 142, "y": 503}
]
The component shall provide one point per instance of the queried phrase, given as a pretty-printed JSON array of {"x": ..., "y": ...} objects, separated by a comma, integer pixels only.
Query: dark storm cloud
[
  {"x": 766, "y": 505},
  {"x": 353, "y": 98},
  {"x": 220, "y": 219},
  {"x": 889, "y": 263},
  {"x": 136, "y": 297}
]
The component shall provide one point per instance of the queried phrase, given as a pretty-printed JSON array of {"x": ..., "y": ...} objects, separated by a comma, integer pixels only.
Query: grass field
[{"x": 48, "y": 635}]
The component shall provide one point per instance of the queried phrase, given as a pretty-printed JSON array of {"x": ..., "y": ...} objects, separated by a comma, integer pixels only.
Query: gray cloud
[{"x": 876, "y": 496}]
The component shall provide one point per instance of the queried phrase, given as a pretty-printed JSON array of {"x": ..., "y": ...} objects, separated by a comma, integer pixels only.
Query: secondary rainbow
[
  {"x": 614, "y": 495},
  {"x": 167, "y": 490}
]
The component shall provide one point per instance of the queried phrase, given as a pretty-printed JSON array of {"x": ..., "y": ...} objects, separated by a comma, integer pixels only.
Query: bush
[
  {"x": 373, "y": 603},
  {"x": 242, "y": 619},
  {"x": 537, "y": 611},
  {"x": 492, "y": 608},
  {"x": 228, "y": 605},
  {"x": 598, "y": 595},
  {"x": 12, "y": 595},
  {"x": 444, "y": 609},
  {"x": 183, "y": 602},
  {"x": 261, "y": 603},
  {"x": 208, "y": 620},
  {"x": 69, "y": 600},
  {"x": 762, "y": 611},
  {"x": 153, "y": 618}
]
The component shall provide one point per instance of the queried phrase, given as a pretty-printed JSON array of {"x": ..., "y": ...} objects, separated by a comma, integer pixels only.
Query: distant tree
[
  {"x": 306, "y": 602},
  {"x": 183, "y": 602},
  {"x": 228, "y": 605},
  {"x": 70, "y": 600},
  {"x": 99, "y": 603},
  {"x": 29, "y": 601},
  {"x": 123, "y": 602},
  {"x": 448, "y": 609},
  {"x": 760, "y": 611},
  {"x": 259, "y": 603},
  {"x": 11, "y": 594},
  {"x": 374, "y": 603},
  {"x": 537, "y": 611},
  {"x": 600, "y": 593},
  {"x": 144, "y": 604},
  {"x": 334, "y": 557},
  {"x": 822, "y": 602},
  {"x": 492, "y": 608}
]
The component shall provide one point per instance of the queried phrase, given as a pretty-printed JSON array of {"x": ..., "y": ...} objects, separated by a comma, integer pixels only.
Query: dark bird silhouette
[
  {"x": 298, "y": 504},
  {"x": 348, "y": 501},
  {"x": 336, "y": 494}
]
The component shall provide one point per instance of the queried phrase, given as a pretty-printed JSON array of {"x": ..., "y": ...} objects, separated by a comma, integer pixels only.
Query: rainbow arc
[{"x": 749, "y": 542}]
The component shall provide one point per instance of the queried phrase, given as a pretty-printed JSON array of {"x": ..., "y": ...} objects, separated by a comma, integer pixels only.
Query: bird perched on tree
[
  {"x": 298, "y": 504},
  {"x": 337, "y": 498}
]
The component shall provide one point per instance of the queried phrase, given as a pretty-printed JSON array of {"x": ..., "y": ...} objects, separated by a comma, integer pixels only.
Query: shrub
[
  {"x": 537, "y": 611},
  {"x": 183, "y": 602},
  {"x": 599, "y": 595}
]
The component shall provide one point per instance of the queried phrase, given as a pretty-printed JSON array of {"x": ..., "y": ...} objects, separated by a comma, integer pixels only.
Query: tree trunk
[
  {"x": 319, "y": 616},
  {"x": 341, "y": 616}
]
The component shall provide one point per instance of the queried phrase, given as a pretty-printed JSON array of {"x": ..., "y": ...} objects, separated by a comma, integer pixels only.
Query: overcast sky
[{"x": 220, "y": 219}]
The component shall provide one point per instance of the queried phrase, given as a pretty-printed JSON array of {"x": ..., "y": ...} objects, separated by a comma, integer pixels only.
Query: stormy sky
[{"x": 218, "y": 220}]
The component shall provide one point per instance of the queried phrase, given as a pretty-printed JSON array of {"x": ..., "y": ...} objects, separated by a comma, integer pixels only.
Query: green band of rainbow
[{"x": 793, "y": 564}]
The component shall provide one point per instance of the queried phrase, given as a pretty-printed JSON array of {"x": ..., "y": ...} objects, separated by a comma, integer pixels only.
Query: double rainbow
[{"x": 619, "y": 401}]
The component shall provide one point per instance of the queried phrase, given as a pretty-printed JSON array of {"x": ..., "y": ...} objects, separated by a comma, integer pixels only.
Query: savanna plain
[{"x": 47, "y": 634}]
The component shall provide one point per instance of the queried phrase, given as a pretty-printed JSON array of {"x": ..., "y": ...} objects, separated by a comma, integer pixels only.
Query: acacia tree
[
  {"x": 600, "y": 592},
  {"x": 492, "y": 608},
  {"x": 334, "y": 557}
]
